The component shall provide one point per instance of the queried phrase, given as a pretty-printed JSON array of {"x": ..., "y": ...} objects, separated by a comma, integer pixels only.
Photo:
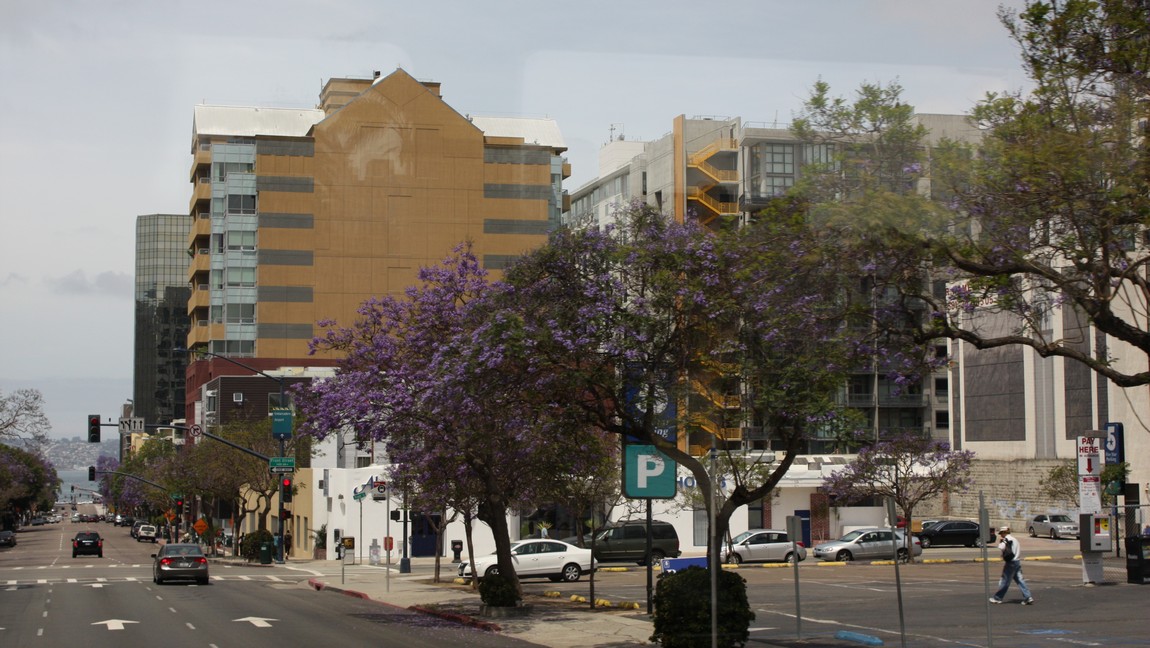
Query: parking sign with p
[{"x": 648, "y": 473}]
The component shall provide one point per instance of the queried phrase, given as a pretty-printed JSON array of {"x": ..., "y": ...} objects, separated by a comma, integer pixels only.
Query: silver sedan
[
  {"x": 762, "y": 545},
  {"x": 869, "y": 544},
  {"x": 180, "y": 560}
]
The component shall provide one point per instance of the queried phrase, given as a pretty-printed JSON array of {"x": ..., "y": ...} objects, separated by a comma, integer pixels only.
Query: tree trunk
[{"x": 493, "y": 511}]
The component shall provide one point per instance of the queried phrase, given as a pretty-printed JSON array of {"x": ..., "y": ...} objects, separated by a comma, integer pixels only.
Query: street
[{"x": 48, "y": 598}]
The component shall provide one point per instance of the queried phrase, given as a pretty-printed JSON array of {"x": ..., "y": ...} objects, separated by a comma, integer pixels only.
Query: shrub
[
  {"x": 250, "y": 548},
  {"x": 683, "y": 609},
  {"x": 498, "y": 590}
]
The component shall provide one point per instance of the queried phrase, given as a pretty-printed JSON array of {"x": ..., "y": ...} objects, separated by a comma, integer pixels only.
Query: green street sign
[
  {"x": 281, "y": 424},
  {"x": 281, "y": 465},
  {"x": 359, "y": 496}
]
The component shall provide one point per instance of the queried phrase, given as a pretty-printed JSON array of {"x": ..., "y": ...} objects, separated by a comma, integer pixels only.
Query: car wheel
[
  {"x": 571, "y": 572},
  {"x": 656, "y": 556},
  {"x": 73, "y": 554},
  {"x": 903, "y": 555},
  {"x": 1054, "y": 534},
  {"x": 100, "y": 555},
  {"x": 491, "y": 571},
  {"x": 202, "y": 581},
  {"x": 844, "y": 556},
  {"x": 925, "y": 543},
  {"x": 790, "y": 557},
  {"x": 1032, "y": 533}
]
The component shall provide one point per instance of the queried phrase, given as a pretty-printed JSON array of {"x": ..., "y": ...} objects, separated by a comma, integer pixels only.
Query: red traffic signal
[
  {"x": 93, "y": 428},
  {"x": 287, "y": 488}
]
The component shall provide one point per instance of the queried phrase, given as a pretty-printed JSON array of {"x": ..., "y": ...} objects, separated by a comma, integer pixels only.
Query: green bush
[
  {"x": 683, "y": 609},
  {"x": 250, "y": 549},
  {"x": 498, "y": 590}
]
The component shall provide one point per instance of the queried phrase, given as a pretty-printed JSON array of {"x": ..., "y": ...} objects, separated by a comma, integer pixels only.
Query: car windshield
[
  {"x": 181, "y": 550},
  {"x": 1059, "y": 518},
  {"x": 742, "y": 536}
]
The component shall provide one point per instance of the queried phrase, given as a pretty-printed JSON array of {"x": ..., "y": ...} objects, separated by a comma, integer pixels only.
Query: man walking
[{"x": 1011, "y": 567}]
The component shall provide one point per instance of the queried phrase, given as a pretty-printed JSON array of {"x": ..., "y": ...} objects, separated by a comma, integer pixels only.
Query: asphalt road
[{"x": 48, "y": 598}]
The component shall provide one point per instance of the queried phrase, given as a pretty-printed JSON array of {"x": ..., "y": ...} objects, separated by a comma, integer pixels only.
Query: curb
[{"x": 462, "y": 619}]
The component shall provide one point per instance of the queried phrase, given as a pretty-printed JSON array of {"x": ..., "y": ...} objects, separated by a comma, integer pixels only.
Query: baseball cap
[{"x": 1004, "y": 529}]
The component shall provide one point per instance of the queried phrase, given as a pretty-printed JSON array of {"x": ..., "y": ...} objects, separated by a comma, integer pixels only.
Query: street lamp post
[{"x": 282, "y": 438}]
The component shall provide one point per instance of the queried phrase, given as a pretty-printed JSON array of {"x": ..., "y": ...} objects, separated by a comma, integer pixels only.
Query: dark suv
[
  {"x": 627, "y": 541},
  {"x": 88, "y": 542}
]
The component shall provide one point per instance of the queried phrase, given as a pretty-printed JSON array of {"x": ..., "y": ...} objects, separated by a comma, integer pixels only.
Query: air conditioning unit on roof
[{"x": 237, "y": 397}]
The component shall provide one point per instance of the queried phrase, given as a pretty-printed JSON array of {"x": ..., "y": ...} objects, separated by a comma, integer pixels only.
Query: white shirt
[{"x": 1015, "y": 545}]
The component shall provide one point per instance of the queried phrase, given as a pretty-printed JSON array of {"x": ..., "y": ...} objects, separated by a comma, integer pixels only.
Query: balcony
[
  {"x": 201, "y": 196},
  {"x": 201, "y": 163},
  {"x": 201, "y": 262},
  {"x": 199, "y": 299},
  {"x": 902, "y": 400}
]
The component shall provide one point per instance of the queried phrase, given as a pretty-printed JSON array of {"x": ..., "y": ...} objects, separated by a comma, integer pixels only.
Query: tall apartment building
[
  {"x": 708, "y": 167},
  {"x": 161, "y": 316},
  {"x": 299, "y": 216}
]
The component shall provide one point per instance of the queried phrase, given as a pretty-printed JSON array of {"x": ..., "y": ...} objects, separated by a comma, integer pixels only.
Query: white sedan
[{"x": 541, "y": 557}]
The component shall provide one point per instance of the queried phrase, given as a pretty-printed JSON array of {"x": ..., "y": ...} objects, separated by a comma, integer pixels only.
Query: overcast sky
[{"x": 96, "y": 104}]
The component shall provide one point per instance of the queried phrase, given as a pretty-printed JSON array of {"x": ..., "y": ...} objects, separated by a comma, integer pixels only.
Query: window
[
  {"x": 241, "y": 313},
  {"x": 238, "y": 240},
  {"x": 241, "y": 204},
  {"x": 222, "y": 169},
  {"x": 241, "y": 276},
  {"x": 942, "y": 420}
]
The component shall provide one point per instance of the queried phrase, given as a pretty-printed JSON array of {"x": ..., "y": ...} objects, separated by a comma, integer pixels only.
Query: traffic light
[
  {"x": 179, "y": 506},
  {"x": 287, "y": 490},
  {"x": 93, "y": 428},
  {"x": 91, "y": 473}
]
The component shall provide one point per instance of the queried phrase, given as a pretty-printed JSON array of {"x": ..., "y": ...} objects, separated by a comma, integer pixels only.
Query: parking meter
[{"x": 1094, "y": 532}]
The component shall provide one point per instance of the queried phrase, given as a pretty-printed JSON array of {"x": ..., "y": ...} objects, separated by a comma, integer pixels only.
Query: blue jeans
[{"x": 1012, "y": 571}]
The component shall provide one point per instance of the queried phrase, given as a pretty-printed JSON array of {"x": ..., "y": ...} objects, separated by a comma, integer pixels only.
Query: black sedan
[
  {"x": 960, "y": 533},
  {"x": 88, "y": 542},
  {"x": 8, "y": 538}
]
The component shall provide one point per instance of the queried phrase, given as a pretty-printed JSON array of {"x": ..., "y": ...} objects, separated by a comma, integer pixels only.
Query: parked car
[
  {"x": 962, "y": 533},
  {"x": 135, "y": 530},
  {"x": 553, "y": 559},
  {"x": 180, "y": 561},
  {"x": 761, "y": 545},
  {"x": 38, "y": 521},
  {"x": 870, "y": 544},
  {"x": 146, "y": 533},
  {"x": 1055, "y": 526},
  {"x": 127, "y": 521},
  {"x": 627, "y": 541},
  {"x": 8, "y": 538},
  {"x": 88, "y": 542}
]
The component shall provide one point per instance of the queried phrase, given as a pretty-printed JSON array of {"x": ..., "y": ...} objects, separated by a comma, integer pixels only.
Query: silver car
[
  {"x": 762, "y": 545},
  {"x": 866, "y": 544},
  {"x": 1055, "y": 526}
]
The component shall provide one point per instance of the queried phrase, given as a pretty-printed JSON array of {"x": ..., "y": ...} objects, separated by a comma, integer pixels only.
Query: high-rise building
[
  {"x": 161, "y": 316},
  {"x": 299, "y": 216}
]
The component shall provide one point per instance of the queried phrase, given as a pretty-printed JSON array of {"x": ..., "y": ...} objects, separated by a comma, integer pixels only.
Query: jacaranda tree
[{"x": 436, "y": 376}]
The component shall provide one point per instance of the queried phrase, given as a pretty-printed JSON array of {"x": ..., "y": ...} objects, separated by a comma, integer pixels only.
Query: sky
[{"x": 96, "y": 102}]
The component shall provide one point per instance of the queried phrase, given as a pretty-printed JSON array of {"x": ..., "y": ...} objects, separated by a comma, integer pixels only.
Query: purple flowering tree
[
  {"x": 909, "y": 469},
  {"x": 438, "y": 377},
  {"x": 28, "y": 481},
  {"x": 620, "y": 322}
]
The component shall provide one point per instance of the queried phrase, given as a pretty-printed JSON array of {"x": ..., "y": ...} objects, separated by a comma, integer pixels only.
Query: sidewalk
[{"x": 554, "y": 622}]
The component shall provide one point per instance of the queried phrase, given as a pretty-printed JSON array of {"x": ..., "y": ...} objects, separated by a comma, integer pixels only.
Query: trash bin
[
  {"x": 1138, "y": 560},
  {"x": 457, "y": 549},
  {"x": 265, "y": 553}
]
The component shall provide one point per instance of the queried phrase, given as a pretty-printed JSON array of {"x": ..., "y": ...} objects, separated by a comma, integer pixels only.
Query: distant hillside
[{"x": 74, "y": 454}]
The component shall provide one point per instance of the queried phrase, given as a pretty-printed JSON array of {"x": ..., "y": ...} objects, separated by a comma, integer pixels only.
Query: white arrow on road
[
  {"x": 258, "y": 622},
  {"x": 114, "y": 624}
]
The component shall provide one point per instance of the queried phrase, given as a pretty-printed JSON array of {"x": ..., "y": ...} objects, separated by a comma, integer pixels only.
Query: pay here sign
[{"x": 647, "y": 473}]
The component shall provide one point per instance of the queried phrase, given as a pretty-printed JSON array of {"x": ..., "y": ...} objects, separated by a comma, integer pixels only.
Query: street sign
[
  {"x": 131, "y": 425},
  {"x": 281, "y": 465},
  {"x": 379, "y": 490},
  {"x": 281, "y": 424},
  {"x": 648, "y": 473},
  {"x": 1089, "y": 475},
  {"x": 200, "y": 526},
  {"x": 195, "y": 431},
  {"x": 359, "y": 497}
]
